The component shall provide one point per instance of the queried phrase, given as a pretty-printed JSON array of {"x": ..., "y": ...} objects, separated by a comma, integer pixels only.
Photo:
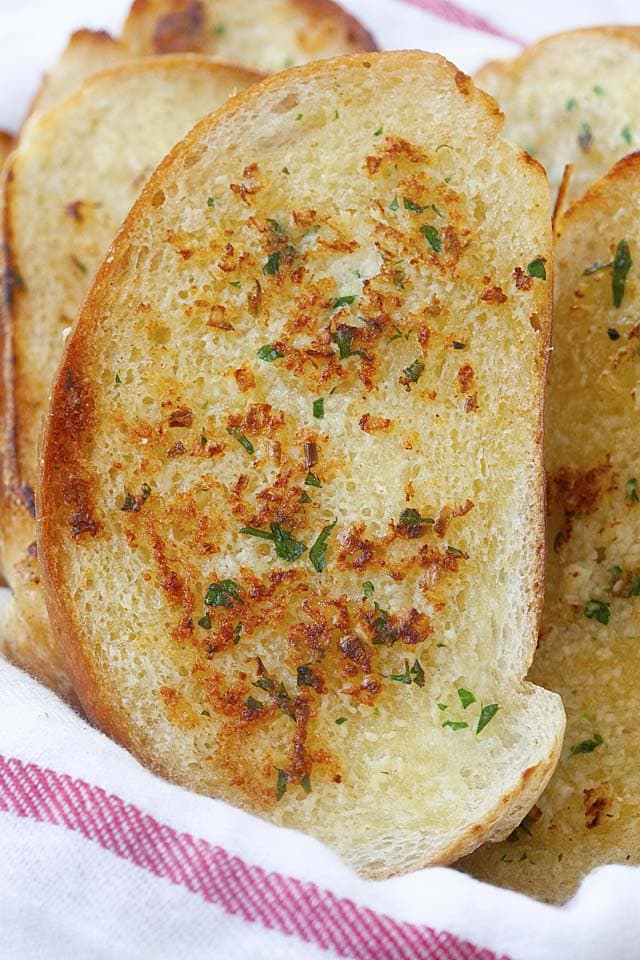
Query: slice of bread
[
  {"x": 291, "y": 507},
  {"x": 70, "y": 183},
  {"x": 589, "y": 648},
  {"x": 87, "y": 52},
  {"x": 571, "y": 99},
  {"x": 270, "y": 36}
]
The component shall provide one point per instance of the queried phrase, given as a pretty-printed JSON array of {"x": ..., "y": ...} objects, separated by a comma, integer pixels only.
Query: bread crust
[{"x": 74, "y": 412}]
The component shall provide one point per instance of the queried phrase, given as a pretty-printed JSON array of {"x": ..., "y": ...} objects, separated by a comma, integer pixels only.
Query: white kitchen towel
[{"x": 100, "y": 859}]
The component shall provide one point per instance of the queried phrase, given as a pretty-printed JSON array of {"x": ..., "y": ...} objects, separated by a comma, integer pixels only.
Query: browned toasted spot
[
  {"x": 182, "y": 30},
  {"x": 597, "y": 802},
  {"x": 182, "y": 417},
  {"x": 447, "y": 514},
  {"x": 493, "y": 295},
  {"x": 372, "y": 424},
  {"x": 74, "y": 210},
  {"x": 177, "y": 449},
  {"x": 465, "y": 377},
  {"x": 471, "y": 403},
  {"x": 393, "y": 149},
  {"x": 463, "y": 83},
  {"x": 578, "y": 492},
  {"x": 244, "y": 378},
  {"x": 522, "y": 281},
  {"x": 356, "y": 653},
  {"x": 355, "y": 552},
  {"x": 258, "y": 420},
  {"x": 77, "y": 493}
]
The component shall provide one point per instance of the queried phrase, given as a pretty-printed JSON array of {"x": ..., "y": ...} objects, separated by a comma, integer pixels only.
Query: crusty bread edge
[{"x": 512, "y": 806}]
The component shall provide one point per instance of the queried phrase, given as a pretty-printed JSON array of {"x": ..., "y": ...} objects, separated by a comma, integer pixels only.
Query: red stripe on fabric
[
  {"x": 291, "y": 906},
  {"x": 453, "y": 13}
]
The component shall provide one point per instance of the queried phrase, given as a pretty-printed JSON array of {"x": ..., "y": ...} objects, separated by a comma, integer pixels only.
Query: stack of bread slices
[{"x": 274, "y": 353}]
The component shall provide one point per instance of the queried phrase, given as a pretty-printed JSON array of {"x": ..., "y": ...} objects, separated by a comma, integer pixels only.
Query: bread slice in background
[
  {"x": 87, "y": 52},
  {"x": 589, "y": 647},
  {"x": 271, "y": 35},
  {"x": 571, "y": 98},
  {"x": 76, "y": 172},
  {"x": 345, "y": 350}
]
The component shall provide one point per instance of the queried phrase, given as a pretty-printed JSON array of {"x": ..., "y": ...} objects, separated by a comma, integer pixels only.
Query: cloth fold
[{"x": 100, "y": 859}]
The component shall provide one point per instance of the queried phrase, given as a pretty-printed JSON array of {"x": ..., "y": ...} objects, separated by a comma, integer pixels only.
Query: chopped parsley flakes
[
  {"x": 621, "y": 264},
  {"x": 455, "y": 724},
  {"x": 222, "y": 593},
  {"x": 269, "y": 353},
  {"x": 414, "y": 371},
  {"x": 318, "y": 408},
  {"x": 466, "y": 698},
  {"x": 631, "y": 490},
  {"x": 586, "y": 746},
  {"x": 272, "y": 265},
  {"x": 486, "y": 714},
  {"x": 368, "y": 589},
  {"x": 286, "y": 547},
  {"x": 597, "y": 610},
  {"x": 432, "y": 236},
  {"x": 317, "y": 553},
  {"x": 537, "y": 269},
  {"x": 242, "y": 440}
]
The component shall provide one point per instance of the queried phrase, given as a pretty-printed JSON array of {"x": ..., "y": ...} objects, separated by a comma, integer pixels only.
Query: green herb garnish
[
  {"x": 312, "y": 481},
  {"x": 272, "y": 265},
  {"x": 634, "y": 588},
  {"x": 285, "y": 546},
  {"x": 595, "y": 267},
  {"x": 341, "y": 720},
  {"x": 586, "y": 746},
  {"x": 410, "y": 205},
  {"x": 394, "y": 204},
  {"x": 585, "y": 137},
  {"x": 242, "y": 440},
  {"x": 486, "y": 714},
  {"x": 235, "y": 283},
  {"x": 343, "y": 337},
  {"x": 466, "y": 698},
  {"x": 254, "y": 705},
  {"x": 597, "y": 610},
  {"x": 631, "y": 490},
  {"x": 537, "y": 269},
  {"x": 455, "y": 724},
  {"x": 458, "y": 345},
  {"x": 378, "y": 132},
  {"x": 305, "y": 783},
  {"x": 410, "y": 520},
  {"x": 432, "y": 236},
  {"x": 318, "y": 408},
  {"x": 269, "y": 353},
  {"x": 342, "y": 302},
  {"x": 417, "y": 673},
  {"x": 400, "y": 677},
  {"x": 621, "y": 263},
  {"x": 211, "y": 202},
  {"x": 317, "y": 553},
  {"x": 442, "y": 706},
  {"x": 222, "y": 594},
  {"x": 205, "y": 622},
  {"x": 414, "y": 371},
  {"x": 117, "y": 379},
  {"x": 367, "y": 589},
  {"x": 626, "y": 134},
  {"x": 281, "y": 788},
  {"x": 571, "y": 104}
]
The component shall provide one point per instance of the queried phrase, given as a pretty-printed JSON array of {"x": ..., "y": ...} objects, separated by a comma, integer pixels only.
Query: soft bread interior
[{"x": 340, "y": 209}]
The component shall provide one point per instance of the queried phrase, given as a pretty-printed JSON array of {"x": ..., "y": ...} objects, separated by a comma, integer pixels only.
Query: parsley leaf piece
[
  {"x": 317, "y": 553},
  {"x": 367, "y": 589},
  {"x": 255, "y": 532},
  {"x": 281, "y": 788},
  {"x": 117, "y": 379},
  {"x": 383, "y": 632},
  {"x": 411, "y": 205},
  {"x": 621, "y": 263},
  {"x": 455, "y": 724},
  {"x": 235, "y": 283},
  {"x": 318, "y": 408},
  {"x": 466, "y": 698},
  {"x": 442, "y": 706},
  {"x": 312, "y": 481},
  {"x": 597, "y": 610},
  {"x": 378, "y": 132},
  {"x": 586, "y": 746},
  {"x": 275, "y": 226},
  {"x": 305, "y": 783},
  {"x": 222, "y": 594},
  {"x": 130, "y": 503},
  {"x": 486, "y": 714},
  {"x": 269, "y": 353},
  {"x": 537, "y": 269},
  {"x": 400, "y": 677},
  {"x": 272, "y": 265},
  {"x": 410, "y": 521},
  {"x": 458, "y": 345},
  {"x": 285, "y": 546},
  {"x": 631, "y": 490},
  {"x": 414, "y": 371},
  {"x": 399, "y": 335},
  {"x": 585, "y": 137},
  {"x": 205, "y": 622},
  {"x": 634, "y": 589},
  {"x": 341, "y": 720},
  {"x": 598, "y": 90},
  {"x": 394, "y": 204},
  {"x": 211, "y": 202},
  {"x": 343, "y": 337},
  {"x": 304, "y": 497},
  {"x": 571, "y": 104},
  {"x": 338, "y": 302},
  {"x": 265, "y": 683},
  {"x": 237, "y": 630},
  {"x": 432, "y": 236},
  {"x": 626, "y": 134},
  {"x": 242, "y": 440},
  {"x": 254, "y": 705},
  {"x": 418, "y": 674}
]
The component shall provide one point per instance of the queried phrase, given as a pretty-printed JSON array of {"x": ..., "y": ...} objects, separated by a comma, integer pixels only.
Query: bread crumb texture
[
  {"x": 588, "y": 648},
  {"x": 292, "y": 488}
]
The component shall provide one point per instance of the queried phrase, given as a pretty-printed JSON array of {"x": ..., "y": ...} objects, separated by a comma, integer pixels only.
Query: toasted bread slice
[
  {"x": 291, "y": 502},
  {"x": 269, "y": 36},
  {"x": 77, "y": 171},
  {"x": 571, "y": 99},
  {"x": 589, "y": 647},
  {"x": 87, "y": 52}
]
